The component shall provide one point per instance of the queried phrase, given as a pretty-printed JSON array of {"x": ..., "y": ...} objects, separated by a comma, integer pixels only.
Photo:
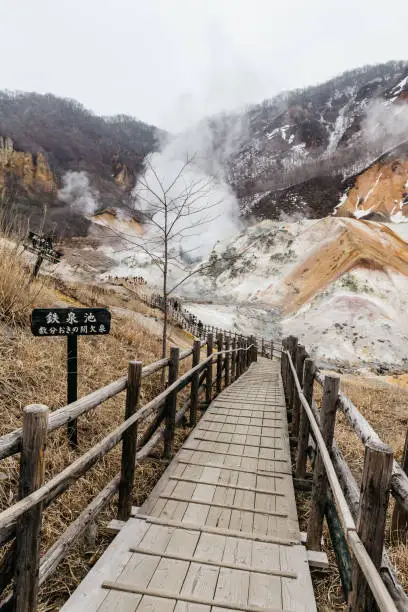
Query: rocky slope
[
  {"x": 341, "y": 285},
  {"x": 301, "y": 150},
  {"x": 379, "y": 191},
  {"x": 43, "y": 137}
]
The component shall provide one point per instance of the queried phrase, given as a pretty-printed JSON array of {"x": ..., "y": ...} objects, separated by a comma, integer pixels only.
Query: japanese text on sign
[{"x": 70, "y": 322}]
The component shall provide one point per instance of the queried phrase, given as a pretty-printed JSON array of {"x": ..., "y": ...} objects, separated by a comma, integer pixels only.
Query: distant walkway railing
[
  {"x": 22, "y": 520},
  {"x": 191, "y": 323}
]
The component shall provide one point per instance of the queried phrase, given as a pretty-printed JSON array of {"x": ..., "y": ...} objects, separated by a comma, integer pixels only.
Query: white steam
[
  {"x": 78, "y": 193},
  {"x": 212, "y": 211},
  {"x": 385, "y": 126}
]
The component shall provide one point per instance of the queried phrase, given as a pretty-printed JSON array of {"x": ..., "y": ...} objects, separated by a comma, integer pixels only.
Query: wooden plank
[
  {"x": 200, "y": 582},
  {"x": 232, "y": 586},
  {"x": 140, "y": 570},
  {"x": 240, "y": 443},
  {"x": 229, "y": 486},
  {"x": 216, "y": 530},
  {"x": 89, "y": 595},
  {"x": 233, "y": 507},
  {"x": 217, "y": 452},
  {"x": 235, "y": 566},
  {"x": 296, "y": 595},
  {"x": 317, "y": 558},
  {"x": 229, "y": 587}
]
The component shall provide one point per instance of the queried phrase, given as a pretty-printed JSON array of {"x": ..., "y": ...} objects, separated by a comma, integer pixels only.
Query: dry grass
[
  {"x": 384, "y": 407},
  {"x": 34, "y": 370},
  {"x": 16, "y": 292}
]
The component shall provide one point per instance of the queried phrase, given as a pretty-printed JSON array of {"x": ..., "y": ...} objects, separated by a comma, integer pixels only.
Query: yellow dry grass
[{"x": 33, "y": 370}]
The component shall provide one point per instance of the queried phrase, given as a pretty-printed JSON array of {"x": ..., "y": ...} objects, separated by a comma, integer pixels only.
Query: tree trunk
[{"x": 164, "y": 336}]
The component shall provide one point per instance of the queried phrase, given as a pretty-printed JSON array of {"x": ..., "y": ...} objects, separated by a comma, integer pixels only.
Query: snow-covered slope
[
  {"x": 301, "y": 141},
  {"x": 341, "y": 285}
]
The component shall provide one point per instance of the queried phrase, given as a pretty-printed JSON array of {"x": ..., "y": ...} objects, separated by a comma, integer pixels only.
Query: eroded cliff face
[
  {"x": 123, "y": 176},
  {"x": 381, "y": 192},
  {"x": 337, "y": 247},
  {"x": 23, "y": 170}
]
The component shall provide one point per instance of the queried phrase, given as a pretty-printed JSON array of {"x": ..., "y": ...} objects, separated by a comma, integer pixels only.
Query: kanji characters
[
  {"x": 71, "y": 318},
  {"x": 42, "y": 331},
  {"x": 52, "y": 317},
  {"x": 89, "y": 317}
]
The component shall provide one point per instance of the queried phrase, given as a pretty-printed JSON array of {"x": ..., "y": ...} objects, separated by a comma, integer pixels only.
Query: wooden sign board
[
  {"x": 43, "y": 245},
  {"x": 70, "y": 321}
]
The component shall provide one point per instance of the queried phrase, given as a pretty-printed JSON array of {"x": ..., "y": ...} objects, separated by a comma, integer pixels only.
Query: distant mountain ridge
[{"x": 301, "y": 153}]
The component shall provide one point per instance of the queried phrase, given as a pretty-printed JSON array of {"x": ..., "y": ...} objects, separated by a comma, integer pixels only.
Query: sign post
[
  {"x": 72, "y": 385},
  {"x": 71, "y": 322},
  {"x": 42, "y": 245}
]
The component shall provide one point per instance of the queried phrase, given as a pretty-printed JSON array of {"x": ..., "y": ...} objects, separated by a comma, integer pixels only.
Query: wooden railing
[
  {"x": 185, "y": 319},
  {"x": 356, "y": 519},
  {"x": 22, "y": 520}
]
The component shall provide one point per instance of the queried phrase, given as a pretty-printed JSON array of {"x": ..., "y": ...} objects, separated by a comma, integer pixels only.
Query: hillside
[
  {"x": 339, "y": 284},
  {"x": 47, "y": 143},
  {"x": 301, "y": 150}
]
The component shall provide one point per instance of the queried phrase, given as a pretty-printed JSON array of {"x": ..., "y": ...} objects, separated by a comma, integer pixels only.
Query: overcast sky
[{"x": 170, "y": 62}]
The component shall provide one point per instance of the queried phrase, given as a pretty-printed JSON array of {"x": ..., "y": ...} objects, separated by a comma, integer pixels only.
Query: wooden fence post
[
  {"x": 300, "y": 359},
  {"x": 284, "y": 367},
  {"x": 320, "y": 482},
  {"x": 263, "y": 347},
  {"x": 399, "y": 523},
  {"x": 227, "y": 362},
  {"x": 129, "y": 443},
  {"x": 291, "y": 344},
  {"x": 195, "y": 381},
  {"x": 271, "y": 349},
  {"x": 303, "y": 435},
  {"x": 219, "y": 363},
  {"x": 171, "y": 403},
  {"x": 209, "y": 377},
  {"x": 233, "y": 358},
  {"x": 32, "y": 474},
  {"x": 238, "y": 359},
  {"x": 375, "y": 485},
  {"x": 254, "y": 356}
]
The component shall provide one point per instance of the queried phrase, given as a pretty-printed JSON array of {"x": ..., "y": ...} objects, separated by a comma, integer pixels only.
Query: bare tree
[{"x": 175, "y": 208}]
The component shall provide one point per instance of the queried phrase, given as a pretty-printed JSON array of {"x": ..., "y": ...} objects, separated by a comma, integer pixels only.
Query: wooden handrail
[
  {"x": 59, "y": 483},
  {"x": 46, "y": 493},
  {"x": 363, "y": 429},
  {"x": 10, "y": 443},
  {"x": 378, "y": 589}
]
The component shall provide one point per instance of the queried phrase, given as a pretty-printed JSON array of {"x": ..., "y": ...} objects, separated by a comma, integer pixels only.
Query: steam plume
[{"x": 78, "y": 193}]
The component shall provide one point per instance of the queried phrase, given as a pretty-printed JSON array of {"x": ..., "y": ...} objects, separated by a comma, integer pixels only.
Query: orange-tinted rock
[
  {"x": 348, "y": 244},
  {"x": 379, "y": 190},
  {"x": 32, "y": 172}
]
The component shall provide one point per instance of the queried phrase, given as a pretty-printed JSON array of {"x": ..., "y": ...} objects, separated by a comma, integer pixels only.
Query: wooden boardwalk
[{"x": 219, "y": 531}]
